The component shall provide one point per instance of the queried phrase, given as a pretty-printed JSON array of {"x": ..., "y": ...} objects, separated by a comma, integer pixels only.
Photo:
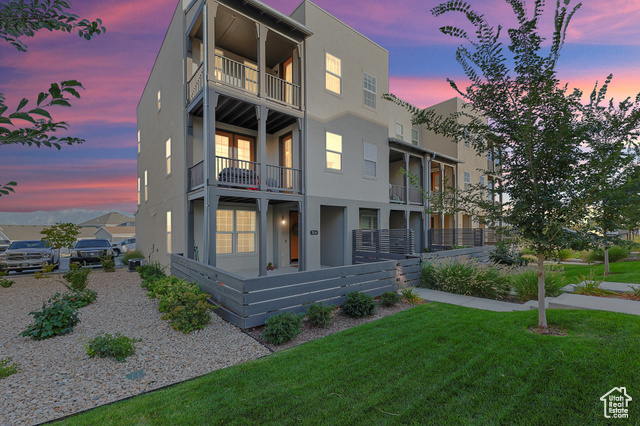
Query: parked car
[
  {"x": 27, "y": 254},
  {"x": 124, "y": 246},
  {"x": 91, "y": 251}
]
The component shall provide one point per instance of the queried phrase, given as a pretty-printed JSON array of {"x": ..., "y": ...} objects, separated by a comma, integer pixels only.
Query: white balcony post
[
  {"x": 261, "y": 35},
  {"x": 261, "y": 114},
  {"x": 406, "y": 178}
]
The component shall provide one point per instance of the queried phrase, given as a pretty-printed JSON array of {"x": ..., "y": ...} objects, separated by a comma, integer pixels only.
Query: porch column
[
  {"x": 261, "y": 114},
  {"x": 210, "y": 208},
  {"x": 190, "y": 231},
  {"x": 301, "y": 156},
  {"x": 209, "y": 35},
  {"x": 302, "y": 238},
  {"x": 263, "y": 207},
  {"x": 406, "y": 178},
  {"x": 261, "y": 36},
  {"x": 442, "y": 193}
]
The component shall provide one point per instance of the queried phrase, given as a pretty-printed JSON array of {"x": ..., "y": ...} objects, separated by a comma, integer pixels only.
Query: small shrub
[
  {"x": 282, "y": 328},
  {"x": 358, "y": 305},
  {"x": 57, "y": 317},
  {"x": 634, "y": 291},
  {"x": 320, "y": 315},
  {"x": 80, "y": 298},
  {"x": 150, "y": 273},
  {"x": 184, "y": 305},
  {"x": 616, "y": 254},
  {"x": 77, "y": 278},
  {"x": 116, "y": 346},
  {"x": 466, "y": 277},
  {"x": 46, "y": 269},
  {"x": 409, "y": 294},
  {"x": 8, "y": 367},
  {"x": 590, "y": 285},
  {"x": 565, "y": 254},
  {"x": 390, "y": 298},
  {"x": 160, "y": 286},
  {"x": 525, "y": 284},
  {"x": 5, "y": 282},
  {"x": 108, "y": 264},
  {"x": 528, "y": 258},
  {"x": 504, "y": 256},
  {"x": 131, "y": 255},
  {"x": 428, "y": 278}
]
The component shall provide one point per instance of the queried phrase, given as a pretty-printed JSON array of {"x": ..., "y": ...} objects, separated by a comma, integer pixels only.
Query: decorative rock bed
[{"x": 57, "y": 378}]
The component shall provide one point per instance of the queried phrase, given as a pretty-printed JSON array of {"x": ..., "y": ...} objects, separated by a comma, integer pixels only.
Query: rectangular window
[
  {"x": 414, "y": 136},
  {"x": 235, "y": 231},
  {"x": 224, "y": 231},
  {"x": 168, "y": 155},
  {"x": 246, "y": 229},
  {"x": 333, "y": 74},
  {"x": 467, "y": 181},
  {"x": 169, "y": 231},
  {"x": 138, "y": 191},
  {"x": 370, "y": 91},
  {"x": 370, "y": 159},
  {"x": 489, "y": 192},
  {"x": 334, "y": 151},
  {"x": 159, "y": 100},
  {"x": 399, "y": 131},
  {"x": 138, "y": 141},
  {"x": 146, "y": 187}
]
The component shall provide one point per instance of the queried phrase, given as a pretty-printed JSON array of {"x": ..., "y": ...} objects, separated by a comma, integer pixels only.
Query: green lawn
[
  {"x": 621, "y": 272},
  {"x": 432, "y": 364}
]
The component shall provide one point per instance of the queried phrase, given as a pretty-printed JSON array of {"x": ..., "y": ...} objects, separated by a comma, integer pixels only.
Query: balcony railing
[
  {"x": 283, "y": 179},
  {"x": 236, "y": 74},
  {"x": 236, "y": 173},
  {"x": 196, "y": 175},
  {"x": 396, "y": 193},
  {"x": 195, "y": 83},
  {"x": 283, "y": 91}
]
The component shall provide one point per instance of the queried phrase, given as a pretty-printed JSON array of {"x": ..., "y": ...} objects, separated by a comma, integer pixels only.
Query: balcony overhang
[
  {"x": 238, "y": 112},
  {"x": 411, "y": 148}
]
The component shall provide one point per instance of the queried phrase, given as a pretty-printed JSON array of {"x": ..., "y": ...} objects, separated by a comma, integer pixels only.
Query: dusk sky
[{"x": 604, "y": 37}]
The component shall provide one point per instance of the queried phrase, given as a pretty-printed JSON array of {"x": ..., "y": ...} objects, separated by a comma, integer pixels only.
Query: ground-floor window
[{"x": 235, "y": 231}]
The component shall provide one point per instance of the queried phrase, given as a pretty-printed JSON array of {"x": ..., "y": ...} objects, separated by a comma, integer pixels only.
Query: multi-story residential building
[{"x": 263, "y": 138}]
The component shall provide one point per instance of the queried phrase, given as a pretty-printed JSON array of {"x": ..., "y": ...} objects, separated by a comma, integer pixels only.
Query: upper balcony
[
  {"x": 234, "y": 60},
  {"x": 401, "y": 191}
]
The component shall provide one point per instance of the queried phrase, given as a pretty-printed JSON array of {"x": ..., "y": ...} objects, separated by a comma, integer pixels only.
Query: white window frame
[
  {"x": 372, "y": 82},
  {"x": 332, "y": 151},
  {"x": 467, "y": 181},
  {"x": 415, "y": 137},
  {"x": 138, "y": 142},
  {"x": 168, "y": 155},
  {"x": 370, "y": 152},
  {"x": 399, "y": 131},
  {"x": 146, "y": 186},
  {"x": 235, "y": 246},
  {"x": 138, "y": 190},
  {"x": 169, "y": 242},
  {"x": 329, "y": 73}
]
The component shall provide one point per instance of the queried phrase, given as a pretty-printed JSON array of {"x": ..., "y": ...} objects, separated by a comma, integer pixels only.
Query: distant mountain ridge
[{"x": 51, "y": 218}]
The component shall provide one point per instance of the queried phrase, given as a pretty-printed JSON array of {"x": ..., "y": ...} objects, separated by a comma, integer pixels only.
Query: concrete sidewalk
[{"x": 564, "y": 301}]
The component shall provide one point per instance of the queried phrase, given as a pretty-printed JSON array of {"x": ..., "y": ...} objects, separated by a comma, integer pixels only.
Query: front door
[{"x": 293, "y": 236}]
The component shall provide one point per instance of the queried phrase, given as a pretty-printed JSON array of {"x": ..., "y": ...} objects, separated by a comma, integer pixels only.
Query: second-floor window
[
  {"x": 146, "y": 186},
  {"x": 370, "y": 159},
  {"x": 399, "y": 131},
  {"x": 467, "y": 181},
  {"x": 334, "y": 151},
  {"x": 370, "y": 90},
  {"x": 333, "y": 74},
  {"x": 138, "y": 141},
  {"x": 138, "y": 191},
  {"x": 169, "y": 231},
  {"x": 414, "y": 136},
  {"x": 168, "y": 155}
]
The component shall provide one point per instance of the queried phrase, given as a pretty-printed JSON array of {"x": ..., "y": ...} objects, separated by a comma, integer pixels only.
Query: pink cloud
[{"x": 423, "y": 91}]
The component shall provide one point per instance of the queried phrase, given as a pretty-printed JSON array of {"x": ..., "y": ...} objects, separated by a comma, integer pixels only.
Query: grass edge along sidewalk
[{"x": 434, "y": 363}]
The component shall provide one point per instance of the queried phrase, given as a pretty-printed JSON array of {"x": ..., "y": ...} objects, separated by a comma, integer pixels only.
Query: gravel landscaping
[{"x": 57, "y": 377}]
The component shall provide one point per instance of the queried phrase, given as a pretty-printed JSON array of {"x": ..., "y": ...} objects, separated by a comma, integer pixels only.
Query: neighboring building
[
  {"x": 109, "y": 219},
  {"x": 115, "y": 233},
  {"x": 263, "y": 138}
]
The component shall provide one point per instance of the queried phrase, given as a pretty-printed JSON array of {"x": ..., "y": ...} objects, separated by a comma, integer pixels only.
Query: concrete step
[{"x": 579, "y": 301}]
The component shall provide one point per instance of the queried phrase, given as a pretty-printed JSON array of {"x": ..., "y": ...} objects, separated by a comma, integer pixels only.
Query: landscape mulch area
[
  {"x": 57, "y": 378},
  {"x": 340, "y": 322}
]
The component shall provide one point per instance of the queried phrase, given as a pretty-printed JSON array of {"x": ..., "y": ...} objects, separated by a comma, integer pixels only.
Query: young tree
[
  {"x": 543, "y": 134},
  {"x": 19, "y": 19},
  {"x": 60, "y": 235}
]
